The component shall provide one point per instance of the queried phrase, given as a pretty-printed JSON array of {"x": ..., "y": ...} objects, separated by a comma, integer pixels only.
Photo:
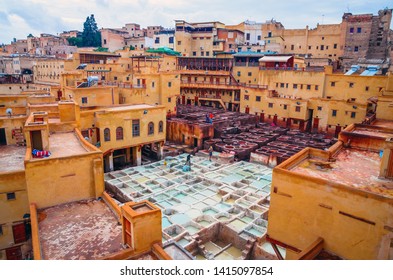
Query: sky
[{"x": 20, "y": 18}]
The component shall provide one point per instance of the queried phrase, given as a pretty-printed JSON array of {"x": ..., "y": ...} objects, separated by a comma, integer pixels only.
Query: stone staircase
[{"x": 246, "y": 253}]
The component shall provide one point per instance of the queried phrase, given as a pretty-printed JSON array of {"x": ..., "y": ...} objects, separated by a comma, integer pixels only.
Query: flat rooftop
[
  {"x": 352, "y": 167},
  {"x": 384, "y": 123},
  {"x": 65, "y": 144},
  {"x": 130, "y": 107},
  {"x": 79, "y": 230},
  {"x": 12, "y": 158},
  {"x": 372, "y": 132}
]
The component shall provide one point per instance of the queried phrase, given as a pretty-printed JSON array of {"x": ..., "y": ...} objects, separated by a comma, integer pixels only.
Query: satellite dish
[{"x": 8, "y": 111}]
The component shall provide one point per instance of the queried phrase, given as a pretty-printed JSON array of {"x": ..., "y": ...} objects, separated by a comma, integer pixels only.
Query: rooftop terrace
[
  {"x": 65, "y": 144},
  {"x": 79, "y": 230},
  {"x": 12, "y": 158},
  {"x": 352, "y": 167}
]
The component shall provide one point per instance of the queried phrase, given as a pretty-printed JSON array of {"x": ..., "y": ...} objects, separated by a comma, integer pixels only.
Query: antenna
[{"x": 323, "y": 16}]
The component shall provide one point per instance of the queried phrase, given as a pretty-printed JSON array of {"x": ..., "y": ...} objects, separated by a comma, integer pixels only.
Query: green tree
[
  {"x": 75, "y": 41},
  {"x": 91, "y": 37}
]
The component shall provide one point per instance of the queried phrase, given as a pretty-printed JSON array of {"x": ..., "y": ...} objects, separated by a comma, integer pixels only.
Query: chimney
[{"x": 386, "y": 170}]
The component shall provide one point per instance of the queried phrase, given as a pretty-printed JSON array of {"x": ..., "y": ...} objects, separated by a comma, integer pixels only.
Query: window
[
  {"x": 178, "y": 43},
  {"x": 297, "y": 108},
  {"x": 107, "y": 134},
  {"x": 84, "y": 100},
  {"x": 249, "y": 74},
  {"x": 366, "y": 89},
  {"x": 316, "y": 87},
  {"x": 207, "y": 53},
  {"x": 335, "y": 46},
  {"x": 135, "y": 128},
  {"x": 259, "y": 37},
  {"x": 294, "y": 85},
  {"x": 309, "y": 47},
  {"x": 238, "y": 73},
  {"x": 246, "y": 97},
  {"x": 257, "y": 98},
  {"x": 248, "y": 36},
  {"x": 160, "y": 126},
  {"x": 332, "y": 84},
  {"x": 269, "y": 34},
  {"x": 353, "y": 115},
  {"x": 276, "y": 84},
  {"x": 322, "y": 47},
  {"x": 308, "y": 87},
  {"x": 270, "y": 105},
  {"x": 334, "y": 113},
  {"x": 356, "y": 49},
  {"x": 169, "y": 99},
  {"x": 202, "y": 53},
  {"x": 157, "y": 40},
  {"x": 359, "y": 30},
  {"x": 351, "y": 85},
  {"x": 285, "y": 106},
  {"x": 319, "y": 108},
  {"x": 150, "y": 130},
  {"x": 11, "y": 196},
  {"x": 281, "y": 85},
  {"x": 286, "y": 85},
  {"x": 193, "y": 53},
  {"x": 292, "y": 47},
  {"x": 169, "y": 84},
  {"x": 152, "y": 84},
  {"x": 170, "y": 40},
  {"x": 119, "y": 133},
  {"x": 351, "y": 30}
]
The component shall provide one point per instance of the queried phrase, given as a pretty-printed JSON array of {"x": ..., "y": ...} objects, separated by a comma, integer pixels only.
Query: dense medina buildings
[{"x": 300, "y": 121}]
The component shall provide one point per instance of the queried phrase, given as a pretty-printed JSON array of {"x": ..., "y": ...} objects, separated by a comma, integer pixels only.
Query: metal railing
[
  {"x": 301, "y": 69},
  {"x": 123, "y": 85}
]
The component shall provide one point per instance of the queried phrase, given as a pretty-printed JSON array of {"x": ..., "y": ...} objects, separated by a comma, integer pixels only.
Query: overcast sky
[{"x": 21, "y": 17}]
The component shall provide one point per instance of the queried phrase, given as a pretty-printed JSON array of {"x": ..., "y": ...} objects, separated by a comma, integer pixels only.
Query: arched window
[
  {"x": 150, "y": 128},
  {"x": 119, "y": 133},
  {"x": 161, "y": 126},
  {"x": 107, "y": 134}
]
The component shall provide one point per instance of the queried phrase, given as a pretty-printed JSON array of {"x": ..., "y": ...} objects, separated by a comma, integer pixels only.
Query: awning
[{"x": 274, "y": 58}]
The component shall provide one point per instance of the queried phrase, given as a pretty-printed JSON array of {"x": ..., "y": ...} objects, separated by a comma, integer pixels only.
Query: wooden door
[
  {"x": 14, "y": 253},
  {"x": 19, "y": 232}
]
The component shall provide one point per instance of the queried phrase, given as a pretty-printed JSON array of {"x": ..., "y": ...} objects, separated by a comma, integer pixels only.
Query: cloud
[
  {"x": 55, "y": 16},
  {"x": 4, "y": 19}
]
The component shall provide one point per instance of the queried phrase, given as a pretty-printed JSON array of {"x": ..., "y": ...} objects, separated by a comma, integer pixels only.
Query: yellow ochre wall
[
  {"x": 54, "y": 181},
  {"x": 296, "y": 209},
  {"x": 12, "y": 210},
  {"x": 123, "y": 118}
]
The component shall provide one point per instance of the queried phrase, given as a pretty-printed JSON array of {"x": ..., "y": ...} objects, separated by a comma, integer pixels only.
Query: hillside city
[{"x": 199, "y": 141}]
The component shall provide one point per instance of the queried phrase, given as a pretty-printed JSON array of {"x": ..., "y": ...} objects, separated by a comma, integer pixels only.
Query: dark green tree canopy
[{"x": 91, "y": 37}]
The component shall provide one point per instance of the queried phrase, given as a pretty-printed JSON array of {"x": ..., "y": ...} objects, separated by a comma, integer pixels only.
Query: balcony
[
  {"x": 208, "y": 84},
  {"x": 300, "y": 69},
  {"x": 124, "y": 85}
]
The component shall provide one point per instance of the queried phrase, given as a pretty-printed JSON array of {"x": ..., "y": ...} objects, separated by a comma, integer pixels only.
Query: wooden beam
[
  {"x": 313, "y": 250},
  {"x": 278, "y": 254},
  {"x": 279, "y": 243}
]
